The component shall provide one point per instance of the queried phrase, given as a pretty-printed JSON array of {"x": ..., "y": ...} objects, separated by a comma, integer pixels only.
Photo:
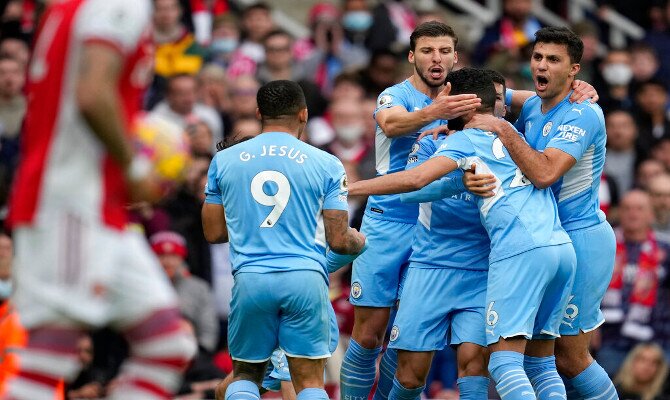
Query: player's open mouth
[
  {"x": 541, "y": 82},
  {"x": 436, "y": 72}
]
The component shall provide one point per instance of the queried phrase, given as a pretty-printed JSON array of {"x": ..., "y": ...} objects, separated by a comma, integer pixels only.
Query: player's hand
[
  {"x": 434, "y": 132},
  {"x": 360, "y": 239},
  {"x": 479, "y": 184},
  {"x": 445, "y": 106},
  {"x": 583, "y": 91},
  {"x": 485, "y": 122}
]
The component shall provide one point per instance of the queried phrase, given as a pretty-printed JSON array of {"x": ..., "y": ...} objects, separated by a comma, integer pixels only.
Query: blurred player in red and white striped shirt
[{"x": 77, "y": 266}]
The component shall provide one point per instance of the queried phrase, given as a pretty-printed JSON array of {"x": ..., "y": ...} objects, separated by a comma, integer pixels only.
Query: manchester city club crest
[
  {"x": 394, "y": 333},
  {"x": 415, "y": 149},
  {"x": 356, "y": 290},
  {"x": 547, "y": 128}
]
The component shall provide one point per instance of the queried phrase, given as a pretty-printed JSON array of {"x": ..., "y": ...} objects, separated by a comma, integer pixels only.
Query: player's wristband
[
  {"x": 335, "y": 261},
  {"x": 508, "y": 97},
  {"x": 139, "y": 168}
]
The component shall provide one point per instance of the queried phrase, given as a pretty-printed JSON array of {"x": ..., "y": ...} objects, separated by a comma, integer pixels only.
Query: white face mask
[
  {"x": 5, "y": 288},
  {"x": 349, "y": 133},
  {"x": 617, "y": 74}
]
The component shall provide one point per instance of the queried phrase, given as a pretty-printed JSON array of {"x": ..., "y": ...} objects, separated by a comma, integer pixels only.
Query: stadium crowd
[{"x": 212, "y": 56}]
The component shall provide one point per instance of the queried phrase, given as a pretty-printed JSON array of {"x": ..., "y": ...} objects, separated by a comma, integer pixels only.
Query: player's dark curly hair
[
  {"x": 561, "y": 35},
  {"x": 431, "y": 29},
  {"x": 280, "y": 98},
  {"x": 496, "y": 77},
  {"x": 472, "y": 81}
]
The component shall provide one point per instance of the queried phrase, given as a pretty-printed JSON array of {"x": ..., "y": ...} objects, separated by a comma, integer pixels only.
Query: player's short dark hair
[
  {"x": 564, "y": 36},
  {"x": 431, "y": 29},
  {"x": 496, "y": 77},
  {"x": 471, "y": 81},
  {"x": 279, "y": 98}
]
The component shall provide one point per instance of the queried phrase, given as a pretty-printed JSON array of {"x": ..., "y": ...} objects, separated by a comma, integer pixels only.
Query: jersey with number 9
[{"x": 273, "y": 189}]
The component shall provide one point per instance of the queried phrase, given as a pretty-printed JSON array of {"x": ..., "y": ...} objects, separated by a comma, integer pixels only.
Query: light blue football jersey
[
  {"x": 391, "y": 153},
  {"x": 579, "y": 130},
  {"x": 449, "y": 232},
  {"x": 519, "y": 217},
  {"x": 273, "y": 189}
]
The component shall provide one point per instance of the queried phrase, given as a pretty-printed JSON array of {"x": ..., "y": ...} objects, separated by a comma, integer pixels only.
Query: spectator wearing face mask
[{"x": 616, "y": 73}]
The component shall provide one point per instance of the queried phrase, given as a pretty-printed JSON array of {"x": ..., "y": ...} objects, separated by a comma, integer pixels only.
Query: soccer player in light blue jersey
[
  {"x": 280, "y": 202},
  {"x": 420, "y": 102},
  {"x": 565, "y": 150},
  {"x": 531, "y": 261}
]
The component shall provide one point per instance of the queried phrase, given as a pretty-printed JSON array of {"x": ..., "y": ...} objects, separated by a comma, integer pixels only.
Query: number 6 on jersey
[{"x": 279, "y": 200}]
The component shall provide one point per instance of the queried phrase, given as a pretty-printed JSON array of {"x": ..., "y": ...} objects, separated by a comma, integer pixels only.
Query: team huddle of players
[{"x": 489, "y": 239}]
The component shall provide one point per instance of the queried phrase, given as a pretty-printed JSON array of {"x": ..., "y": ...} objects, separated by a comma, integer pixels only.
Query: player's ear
[
  {"x": 574, "y": 70},
  {"x": 410, "y": 57},
  {"x": 455, "y": 57},
  {"x": 258, "y": 114},
  {"x": 303, "y": 115}
]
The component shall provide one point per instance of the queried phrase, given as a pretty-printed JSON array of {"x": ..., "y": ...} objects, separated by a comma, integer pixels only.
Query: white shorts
[{"x": 74, "y": 272}]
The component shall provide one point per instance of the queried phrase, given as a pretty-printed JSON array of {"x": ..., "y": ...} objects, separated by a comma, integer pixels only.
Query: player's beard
[{"x": 427, "y": 81}]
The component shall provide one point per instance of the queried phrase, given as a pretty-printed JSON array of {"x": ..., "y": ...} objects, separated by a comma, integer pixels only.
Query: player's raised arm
[
  {"x": 397, "y": 121},
  {"x": 404, "y": 181},
  {"x": 542, "y": 168}
]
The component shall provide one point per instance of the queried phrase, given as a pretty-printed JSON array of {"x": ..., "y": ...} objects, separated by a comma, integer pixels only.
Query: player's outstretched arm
[
  {"x": 447, "y": 186},
  {"x": 542, "y": 168},
  {"x": 214, "y": 223},
  {"x": 397, "y": 121},
  {"x": 405, "y": 181},
  {"x": 340, "y": 237}
]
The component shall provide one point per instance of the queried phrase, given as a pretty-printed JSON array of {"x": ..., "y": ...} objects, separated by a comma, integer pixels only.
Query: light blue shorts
[
  {"x": 278, "y": 369},
  {"x": 440, "y": 306},
  {"x": 289, "y": 310},
  {"x": 377, "y": 273},
  {"x": 595, "y": 248},
  {"x": 527, "y": 293}
]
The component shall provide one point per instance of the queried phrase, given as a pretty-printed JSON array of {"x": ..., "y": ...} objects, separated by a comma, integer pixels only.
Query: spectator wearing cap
[{"x": 196, "y": 301}]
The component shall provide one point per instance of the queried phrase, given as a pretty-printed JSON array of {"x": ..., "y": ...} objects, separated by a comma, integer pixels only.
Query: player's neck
[
  {"x": 422, "y": 87},
  {"x": 280, "y": 128},
  {"x": 550, "y": 102}
]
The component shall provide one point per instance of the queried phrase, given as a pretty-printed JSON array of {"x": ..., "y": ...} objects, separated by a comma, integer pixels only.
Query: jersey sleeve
[
  {"x": 577, "y": 131},
  {"x": 212, "y": 189},
  {"x": 336, "y": 187},
  {"x": 457, "y": 147},
  {"x": 390, "y": 97},
  {"x": 119, "y": 23}
]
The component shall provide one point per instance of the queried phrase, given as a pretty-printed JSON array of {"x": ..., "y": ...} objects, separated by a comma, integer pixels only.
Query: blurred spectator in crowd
[
  {"x": 645, "y": 64},
  {"x": 659, "y": 190},
  {"x": 184, "y": 207},
  {"x": 12, "y": 100},
  {"x": 224, "y": 49},
  {"x": 637, "y": 11},
  {"x": 608, "y": 195},
  {"x": 201, "y": 139},
  {"x": 356, "y": 20},
  {"x": 181, "y": 106},
  {"x": 617, "y": 74},
  {"x": 148, "y": 218},
  {"x": 515, "y": 30},
  {"x": 196, "y": 301},
  {"x": 643, "y": 373},
  {"x": 213, "y": 88},
  {"x": 621, "y": 156},
  {"x": 392, "y": 24},
  {"x": 638, "y": 285},
  {"x": 381, "y": 73},
  {"x": 328, "y": 52},
  {"x": 15, "y": 48},
  {"x": 646, "y": 171},
  {"x": 243, "y": 97},
  {"x": 12, "y": 334},
  {"x": 588, "y": 32},
  {"x": 244, "y": 128},
  {"x": 90, "y": 384},
  {"x": 202, "y": 14},
  {"x": 659, "y": 38},
  {"x": 177, "y": 52},
  {"x": 280, "y": 64},
  {"x": 661, "y": 152},
  {"x": 256, "y": 24},
  {"x": 651, "y": 118}
]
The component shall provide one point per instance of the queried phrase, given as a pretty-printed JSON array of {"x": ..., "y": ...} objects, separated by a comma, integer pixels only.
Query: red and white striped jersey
[{"x": 64, "y": 167}]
